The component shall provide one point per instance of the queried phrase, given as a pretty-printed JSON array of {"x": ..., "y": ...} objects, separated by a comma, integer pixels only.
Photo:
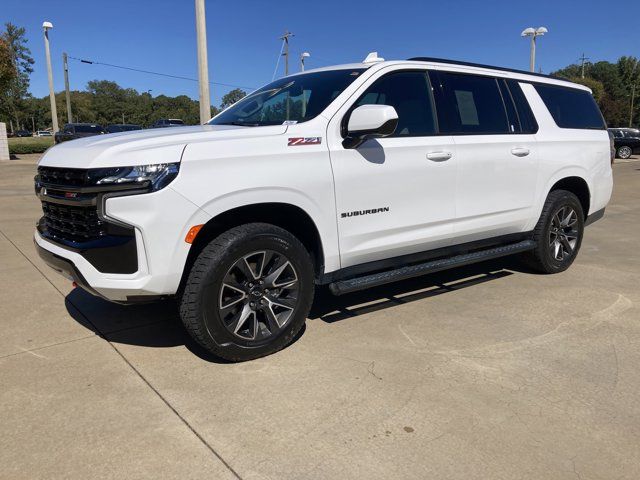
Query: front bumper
[{"x": 160, "y": 222}]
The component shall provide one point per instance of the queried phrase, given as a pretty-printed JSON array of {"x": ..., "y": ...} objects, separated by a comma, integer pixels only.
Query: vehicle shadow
[{"x": 158, "y": 325}]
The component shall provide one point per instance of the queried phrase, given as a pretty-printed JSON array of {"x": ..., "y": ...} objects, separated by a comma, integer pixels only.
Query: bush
[{"x": 21, "y": 146}]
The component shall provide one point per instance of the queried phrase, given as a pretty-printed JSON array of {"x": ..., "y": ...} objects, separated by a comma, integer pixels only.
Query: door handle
[
  {"x": 439, "y": 156},
  {"x": 520, "y": 151}
]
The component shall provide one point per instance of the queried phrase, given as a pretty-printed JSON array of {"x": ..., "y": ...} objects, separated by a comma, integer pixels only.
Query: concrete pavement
[{"x": 484, "y": 372}]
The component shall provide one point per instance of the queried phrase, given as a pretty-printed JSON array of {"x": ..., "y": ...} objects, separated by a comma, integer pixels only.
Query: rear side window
[
  {"x": 570, "y": 107},
  {"x": 407, "y": 92},
  {"x": 528, "y": 122},
  {"x": 472, "y": 104}
]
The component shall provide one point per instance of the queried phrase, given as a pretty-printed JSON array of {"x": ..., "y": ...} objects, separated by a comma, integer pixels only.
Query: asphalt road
[{"x": 487, "y": 372}]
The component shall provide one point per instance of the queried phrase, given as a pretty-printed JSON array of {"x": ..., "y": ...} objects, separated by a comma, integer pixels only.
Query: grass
[{"x": 19, "y": 146}]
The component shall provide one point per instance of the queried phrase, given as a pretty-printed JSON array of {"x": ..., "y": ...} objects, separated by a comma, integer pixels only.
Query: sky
[{"x": 244, "y": 45}]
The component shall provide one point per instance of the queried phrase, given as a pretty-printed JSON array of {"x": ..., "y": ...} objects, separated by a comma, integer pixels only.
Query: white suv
[{"x": 353, "y": 176}]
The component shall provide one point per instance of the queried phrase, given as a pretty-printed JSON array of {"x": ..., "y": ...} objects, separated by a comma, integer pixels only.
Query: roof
[
  {"x": 521, "y": 75},
  {"x": 478, "y": 65}
]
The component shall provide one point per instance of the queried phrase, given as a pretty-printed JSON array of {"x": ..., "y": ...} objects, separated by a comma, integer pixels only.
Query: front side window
[
  {"x": 408, "y": 93},
  {"x": 571, "y": 107},
  {"x": 472, "y": 104},
  {"x": 294, "y": 99}
]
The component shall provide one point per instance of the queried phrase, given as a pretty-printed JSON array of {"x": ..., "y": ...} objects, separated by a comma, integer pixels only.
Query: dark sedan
[
  {"x": 122, "y": 127},
  {"x": 72, "y": 131},
  {"x": 24, "y": 133},
  {"x": 626, "y": 141}
]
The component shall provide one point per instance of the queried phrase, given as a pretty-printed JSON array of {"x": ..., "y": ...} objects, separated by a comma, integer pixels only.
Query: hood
[{"x": 144, "y": 147}]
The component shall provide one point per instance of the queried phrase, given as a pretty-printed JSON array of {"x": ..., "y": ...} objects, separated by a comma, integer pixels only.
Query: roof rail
[{"x": 480, "y": 65}]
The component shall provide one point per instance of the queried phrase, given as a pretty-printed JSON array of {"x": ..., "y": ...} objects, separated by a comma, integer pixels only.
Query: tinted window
[
  {"x": 472, "y": 105},
  {"x": 296, "y": 98},
  {"x": 88, "y": 128},
  {"x": 175, "y": 122},
  {"x": 514, "y": 121},
  {"x": 570, "y": 107},
  {"x": 528, "y": 122},
  {"x": 408, "y": 93}
]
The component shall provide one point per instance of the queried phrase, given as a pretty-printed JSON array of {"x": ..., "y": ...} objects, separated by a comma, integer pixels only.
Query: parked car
[
  {"x": 626, "y": 141},
  {"x": 43, "y": 133},
  {"x": 23, "y": 133},
  {"x": 122, "y": 127},
  {"x": 167, "y": 122},
  {"x": 73, "y": 131},
  {"x": 352, "y": 176}
]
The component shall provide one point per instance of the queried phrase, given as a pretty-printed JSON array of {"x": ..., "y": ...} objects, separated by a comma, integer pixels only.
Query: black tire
[
  {"x": 202, "y": 299},
  {"x": 624, "y": 152},
  {"x": 544, "y": 258}
]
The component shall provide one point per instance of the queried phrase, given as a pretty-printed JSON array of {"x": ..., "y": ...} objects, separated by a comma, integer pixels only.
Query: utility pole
[
  {"x": 285, "y": 38},
  {"x": 582, "y": 59},
  {"x": 203, "y": 66},
  {"x": 52, "y": 96},
  {"x": 66, "y": 87}
]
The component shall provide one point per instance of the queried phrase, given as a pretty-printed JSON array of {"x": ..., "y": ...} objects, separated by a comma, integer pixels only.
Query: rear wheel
[
  {"x": 624, "y": 152},
  {"x": 558, "y": 234},
  {"x": 248, "y": 292}
]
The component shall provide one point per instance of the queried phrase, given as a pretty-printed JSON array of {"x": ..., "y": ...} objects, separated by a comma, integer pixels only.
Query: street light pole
[
  {"x": 532, "y": 54},
  {"x": 203, "y": 67},
  {"x": 533, "y": 33},
  {"x": 302, "y": 57},
  {"x": 66, "y": 87},
  {"x": 54, "y": 113}
]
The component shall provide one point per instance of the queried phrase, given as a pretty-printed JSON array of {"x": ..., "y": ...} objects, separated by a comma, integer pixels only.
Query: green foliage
[
  {"x": 232, "y": 97},
  {"x": 12, "y": 97},
  {"x": 18, "y": 146},
  {"x": 7, "y": 68}
]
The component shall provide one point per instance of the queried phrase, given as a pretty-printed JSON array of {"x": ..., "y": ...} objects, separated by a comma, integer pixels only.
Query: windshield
[{"x": 288, "y": 100}]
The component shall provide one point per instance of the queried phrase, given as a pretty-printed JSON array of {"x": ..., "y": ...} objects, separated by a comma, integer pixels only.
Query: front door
[{"x": 394, "y": 195}]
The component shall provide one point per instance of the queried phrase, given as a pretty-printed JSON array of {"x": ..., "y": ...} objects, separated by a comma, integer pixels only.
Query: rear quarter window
[{"x": 570, "y": 107}]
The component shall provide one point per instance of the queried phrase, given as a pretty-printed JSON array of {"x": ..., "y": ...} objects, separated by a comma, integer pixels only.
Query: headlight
[{"x": 155, "y": 176}]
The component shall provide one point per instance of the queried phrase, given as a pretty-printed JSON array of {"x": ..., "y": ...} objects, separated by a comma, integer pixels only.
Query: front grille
[
  {"x": 77, "y": 224},
  {"x": 68, "y": 177},
  {"x": 69, "y": 199},
  {"x": 65, "y": 220}
]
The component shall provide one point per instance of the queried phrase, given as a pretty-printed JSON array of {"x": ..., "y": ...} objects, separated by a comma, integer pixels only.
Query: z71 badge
[{"x": 296, "y": 141}]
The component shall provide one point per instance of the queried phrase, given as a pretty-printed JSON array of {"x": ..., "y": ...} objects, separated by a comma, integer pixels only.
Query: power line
[{"x": 92, "y": 62}]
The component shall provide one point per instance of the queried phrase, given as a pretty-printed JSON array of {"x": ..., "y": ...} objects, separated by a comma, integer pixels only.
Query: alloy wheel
[
  {"x": 624, "y": 152},
  {"x": 258, "y": 296},
  {"x": 563, "y": 234}
]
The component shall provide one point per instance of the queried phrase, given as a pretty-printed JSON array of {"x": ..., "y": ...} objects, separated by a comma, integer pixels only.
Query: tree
[
  {"x": 612, "y": 84},
  {"x": 7, "y": 68},
  {"x": 12, "y": 99},
  {"x": 232, "y": 97}
]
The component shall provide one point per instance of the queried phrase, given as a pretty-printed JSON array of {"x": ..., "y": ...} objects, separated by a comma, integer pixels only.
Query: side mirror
[{"x": 370, "y": 121}]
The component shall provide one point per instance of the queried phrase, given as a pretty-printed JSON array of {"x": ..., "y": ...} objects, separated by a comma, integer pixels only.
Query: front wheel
[
  {"x": 624, "y": 152},
  {"x": 558, "y": 234},
  {"x": 248, "y": 292}
]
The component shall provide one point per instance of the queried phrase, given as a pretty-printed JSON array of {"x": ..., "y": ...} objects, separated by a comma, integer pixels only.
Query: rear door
[{"x": 496, "y": 157}]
